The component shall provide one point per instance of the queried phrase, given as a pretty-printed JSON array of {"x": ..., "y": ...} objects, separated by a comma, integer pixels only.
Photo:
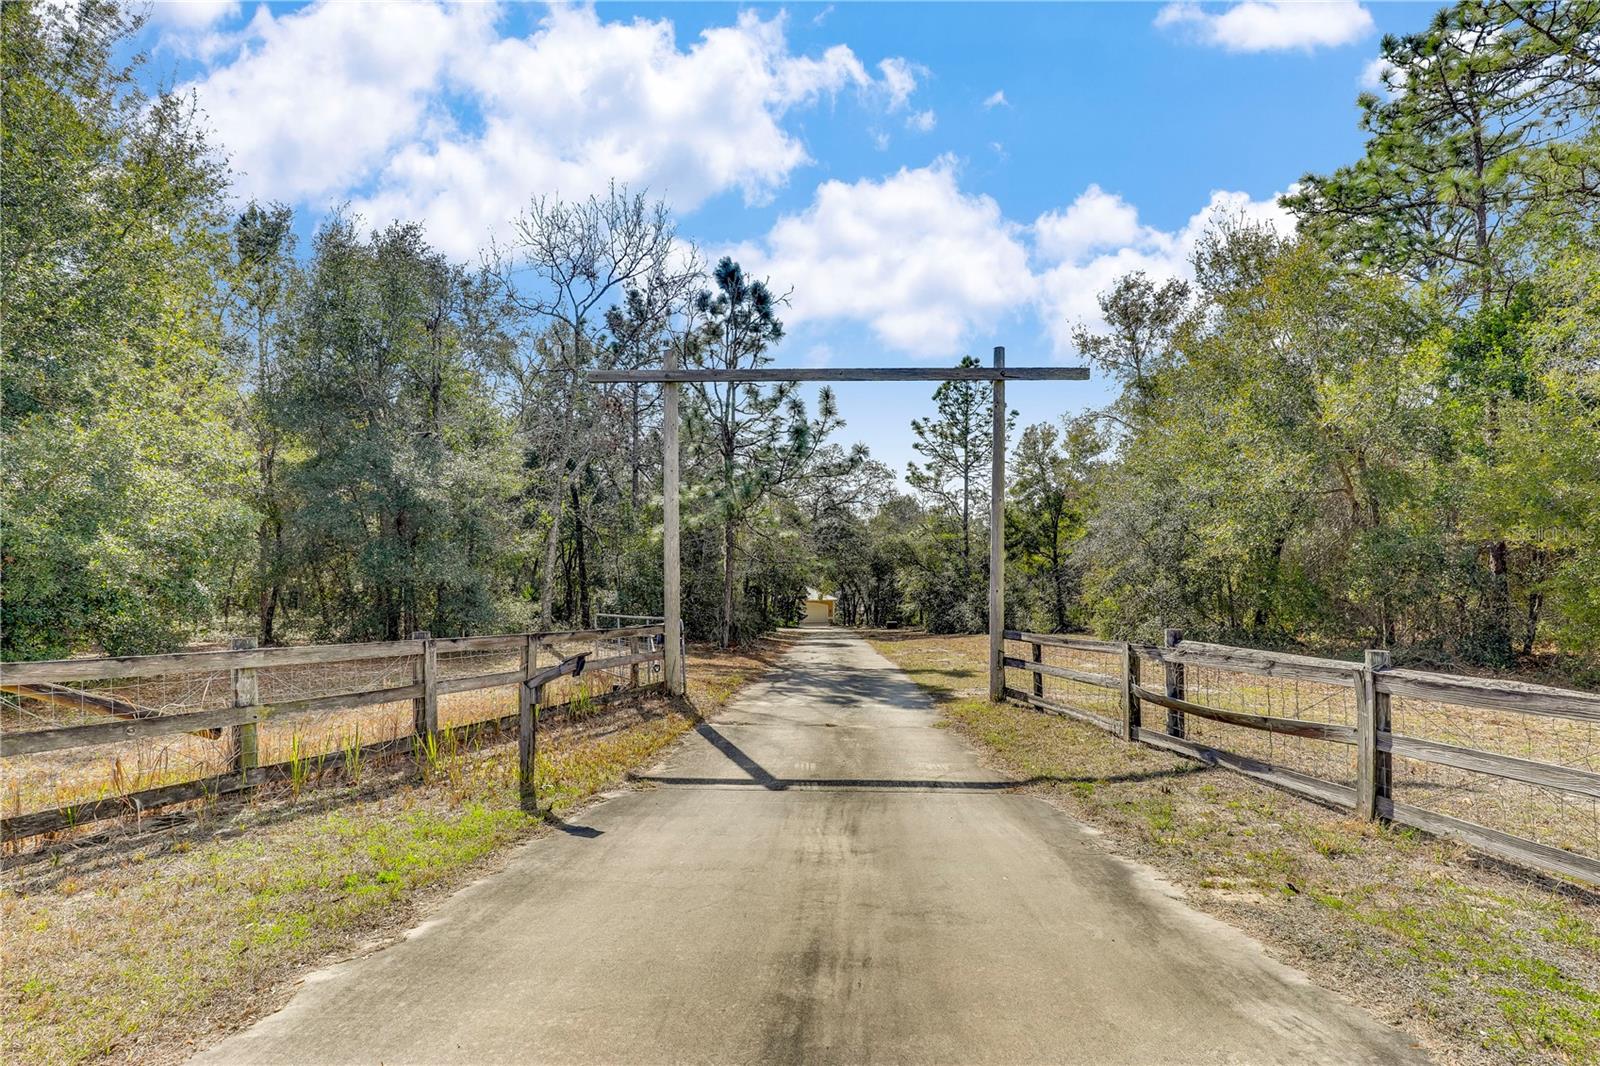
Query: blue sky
[{"x": 930, "y": 179}]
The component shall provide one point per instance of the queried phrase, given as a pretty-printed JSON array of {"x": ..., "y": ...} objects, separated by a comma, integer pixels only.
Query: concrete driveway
[{"x": 820, "y": 875}]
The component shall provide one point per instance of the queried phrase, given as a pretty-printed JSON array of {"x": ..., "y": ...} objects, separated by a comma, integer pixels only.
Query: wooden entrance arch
[{"x": 670, "y": 376}]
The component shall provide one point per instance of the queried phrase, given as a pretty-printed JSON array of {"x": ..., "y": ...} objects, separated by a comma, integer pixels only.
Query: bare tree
[{"x": 567, "y": 264}]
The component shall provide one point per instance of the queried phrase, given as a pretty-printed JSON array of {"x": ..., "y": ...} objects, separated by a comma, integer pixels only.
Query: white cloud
[
  {"x": 899, "y": 80},
  {"x": 1098, "y": 238},
  {"x": 313, "y": 101},
  {"x": 190, "y": 15},
  {"x": 1272, "y": 25},
  {"x": 996, "y": 99},
  {"x": 922, "y": 121},
  {"x": 1095, "y": 220},
  {"x": 920, "y": 262},
  {"x": 426, "y": 112}
]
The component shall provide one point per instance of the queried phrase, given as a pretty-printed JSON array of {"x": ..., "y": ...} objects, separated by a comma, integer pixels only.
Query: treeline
[
  {"x": 1383, "y": 429},
  {"x": 211, "y": 429}
]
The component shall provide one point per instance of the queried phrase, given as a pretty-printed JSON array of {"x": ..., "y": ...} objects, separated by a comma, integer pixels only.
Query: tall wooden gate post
[
  {"x": 246, "y": 693},
  {"x": 528, "y": 728},
  {"x": 671, "y": 581},
  {"x": 1374, "y": 768},
  {"x": 1175, "y": 684},
  {"x": 997, "y": 539}
]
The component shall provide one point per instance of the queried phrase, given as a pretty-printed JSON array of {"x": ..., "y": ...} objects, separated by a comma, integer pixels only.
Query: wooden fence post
[
  {"x": 671, "y": 559},
  {"x": 997, "y": 538},
  {"x": 528, "y": 728},
  {"x": 246, "y": 693},
  {"x": 425, "y": 708},
  {"x": 632, "y": 645},
  {"x": 1038, "y": 677},
  {"x": 1175, "y": 684},
  {"x": 1131, "y": 709},
  {"x": 1374, "y": 768}
]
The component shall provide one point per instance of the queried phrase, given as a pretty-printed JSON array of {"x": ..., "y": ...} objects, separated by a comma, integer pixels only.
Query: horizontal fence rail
[
  {"x": 1437, "y": 752},
  {"x": 130, "y": 734}
]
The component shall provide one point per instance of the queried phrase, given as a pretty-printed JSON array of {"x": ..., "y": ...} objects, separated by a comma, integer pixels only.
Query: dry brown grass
[
  {"x": 142, "y": 945},
  {"x": 1482, "y": 962}
]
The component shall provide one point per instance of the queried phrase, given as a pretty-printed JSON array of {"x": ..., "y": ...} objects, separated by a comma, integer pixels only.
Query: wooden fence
[
  {"x": 216, "y": 705},
  {"x": 1438, "y": 752}
]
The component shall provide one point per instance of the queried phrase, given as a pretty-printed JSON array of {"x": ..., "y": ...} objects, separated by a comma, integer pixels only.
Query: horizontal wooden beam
[
  {"x": 1295, "y": 727},
  {"x": 829, "y": 373},
  {"x": 1503, "y": 845},
  {"x": 19, "y": 826},
  {"x": 1313, "y": 788},
  {"x": 1099, "y": 721},
  {"x": 1067, "y": 640},
  {"x": 1083, "y": 677},
  {"x": 1491, "y": 693},
  {"x": 1530, "y": 771},
  {"x": 1268, "y": 663}
]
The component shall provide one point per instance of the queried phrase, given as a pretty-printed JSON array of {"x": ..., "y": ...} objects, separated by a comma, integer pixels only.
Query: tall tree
[
  {"x": 124, "y": 483},
  {"x": 759, "y": 440},
  {"x": 567, "y": 264},
  {"x": 1458, "y": 148},
  {"x": 1047, "y": 509},
  {"x": 263, "y": 281},
  {"x": 405, "y": 461},
  {"x": 956, "y": 446},
  {"x": 1485, "y": 110}
]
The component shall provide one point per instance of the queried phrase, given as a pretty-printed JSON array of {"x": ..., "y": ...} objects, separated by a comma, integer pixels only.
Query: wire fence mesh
[
  {"x": 1273, "y": 697},
  {"x": 1067, "y": 691},
  {"x": 52, "y": 780},
  {"x": 1544, "y": 815}
]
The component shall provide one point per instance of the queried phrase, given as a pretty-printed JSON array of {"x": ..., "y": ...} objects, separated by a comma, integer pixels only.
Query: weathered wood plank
[
  {"x": 246, "y": 693},
  {"x": 32, "y": 742},
  {"x": 62, "y": 696},
  {"x": 1530, "y": 771},
  {"x": 1067, "y": 640},
  {"x": 1294, "y": 727},
  {"x": 1313, "y": 788},
  {"x": 1494, "y": 842},
  {"x": 451, "y": 685},
  {"x": 1066, "y": 673},
  {"x": 21, "y": 826},
  {"x": 671, "y": 557},
  {"x": 507, "y": 642},
  {"x": 552, "y": 636},
  {"x": 1496, "y": 694},
  {"x": 996, "y": 374},
  {"x": 527, "y": 722},
  {"x": 425, "y": 672},
  {"x": 618, "y": 661},
  {"x": 1099, "y": 721},
  {"x": 1175, "y": 680},
  {"x": 1268, "y": 663},
  {"x": 199, "y": 662}
]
